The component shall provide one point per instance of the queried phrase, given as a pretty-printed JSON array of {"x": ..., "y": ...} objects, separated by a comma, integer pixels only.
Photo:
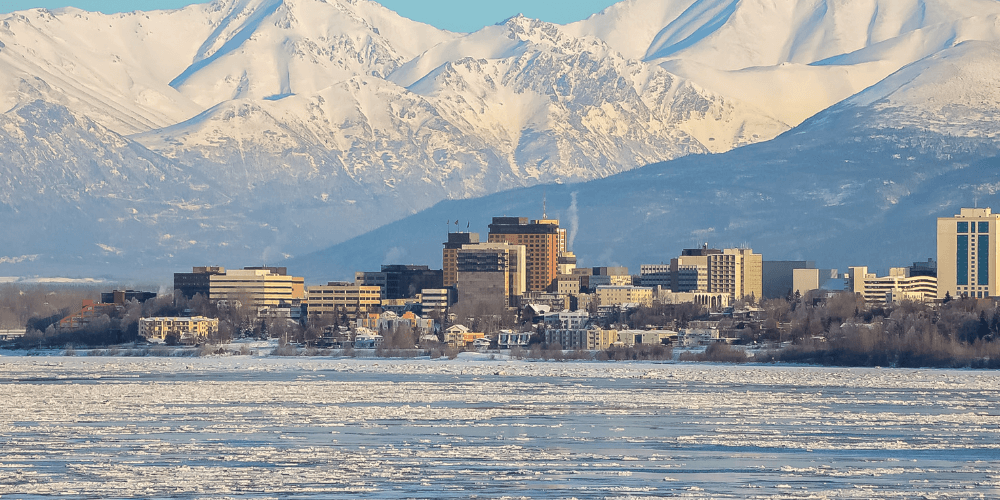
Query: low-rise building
[
  {"x": 256, "y": 286},
  {"x": 647, "y": 337},
  {"x": 509, "y": 339},
  {"x": 898, "y": 286},
  {"x": 122, "y": 297},
  {"x": 436, "y": 300},
  {"x": 12, "y": 333},
  {"x": 460, "y": 336},
  {"x": 588, "y": 339},
  {"x": 87, "y": 313},
  {"x": 343, "y": 298},
  {"x": 620, "y": 295},
  {"x": 186, "y": 329},
  {"x": 712, "y": 301},
  {"x": 566, "y": 319},
  {"x": 390, "y": 321},
  {"x": 699, "y": 333}
]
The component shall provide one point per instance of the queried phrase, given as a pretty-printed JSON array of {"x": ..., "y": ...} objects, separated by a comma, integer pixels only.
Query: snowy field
[{"x": 263, "y": 427}]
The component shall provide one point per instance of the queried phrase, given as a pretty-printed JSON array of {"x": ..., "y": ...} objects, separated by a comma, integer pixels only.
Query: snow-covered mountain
[
  {"x": 861, "y": 183},
  {"x": 255, "y": 130}
]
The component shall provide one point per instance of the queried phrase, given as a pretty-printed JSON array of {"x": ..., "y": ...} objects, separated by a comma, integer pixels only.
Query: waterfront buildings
[{"x": 184, "y": 328}]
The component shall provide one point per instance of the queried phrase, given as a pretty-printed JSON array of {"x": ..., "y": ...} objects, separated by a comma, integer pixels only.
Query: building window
[
  {"x": 984, "y": 261},
  {"x": 962, "y": 260},
  {"x": 984, "y": 227},
  {"x": 963, "y": 227}
]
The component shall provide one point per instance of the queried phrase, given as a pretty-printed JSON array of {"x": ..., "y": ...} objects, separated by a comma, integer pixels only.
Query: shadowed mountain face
[
  {"x": 250, "y": 131},
  {"x": 859, "y": 184}
]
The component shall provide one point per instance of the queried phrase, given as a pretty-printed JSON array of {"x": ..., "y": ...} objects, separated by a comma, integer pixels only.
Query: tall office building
[
  {"x": 449, "y": 257},
  {"x": 968, "y": 254},
  {"x": 733, "y": 271},
  {"x": 490, "y": 274},
  {"x": 543, "y": 241}
]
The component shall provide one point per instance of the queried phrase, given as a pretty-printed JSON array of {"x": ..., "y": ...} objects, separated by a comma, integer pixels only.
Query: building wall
[
  {"x": 543, "y": 240},
  {"x": 899, "y": 285},
  {"x": 778, "y": 276},
  {"x": 581, "y": 338},
  {"x": 491, "y": 274},
  {"x": 968, "y": 254},
  {"x": 344, "y": 298},
  {"x": 261, "y": 287},
  {"x": 185, "y": 328},
  {"x": 618, "y": 295},
  {"x": 735, "y": 271}
]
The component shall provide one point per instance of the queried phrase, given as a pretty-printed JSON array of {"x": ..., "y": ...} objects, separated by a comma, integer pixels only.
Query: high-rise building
[
  {"x": 543, "y": 241},
  {"x": 490, "y": 274},
  {"x": 968, "y": 254},
  {"x": 733, "y": 271},
  {"x": 449, "y": 260}
]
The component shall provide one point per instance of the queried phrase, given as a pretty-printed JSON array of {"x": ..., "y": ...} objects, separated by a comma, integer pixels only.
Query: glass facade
[
  {"x": 983, "y": 262},
  {"x": 962, "y": 260},
  {"x": 984, "y": 227},
  {"x": 963, "y": 227}
]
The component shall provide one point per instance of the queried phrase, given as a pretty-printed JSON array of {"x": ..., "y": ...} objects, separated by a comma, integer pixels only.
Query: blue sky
[{"x": 455, "y": 15}]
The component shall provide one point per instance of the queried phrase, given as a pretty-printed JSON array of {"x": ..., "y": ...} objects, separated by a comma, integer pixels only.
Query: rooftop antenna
[{"x": 544, "y": 216}]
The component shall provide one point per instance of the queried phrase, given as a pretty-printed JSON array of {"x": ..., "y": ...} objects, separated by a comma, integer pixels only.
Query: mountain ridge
[{"x": 282, "y": 127}]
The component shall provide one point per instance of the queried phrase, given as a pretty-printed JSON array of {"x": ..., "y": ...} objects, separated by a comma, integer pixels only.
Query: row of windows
[{"x": 983, "y": 227}]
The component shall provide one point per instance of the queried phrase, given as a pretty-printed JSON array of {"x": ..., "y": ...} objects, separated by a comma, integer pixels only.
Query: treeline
[{"x": 958, "y": 333}]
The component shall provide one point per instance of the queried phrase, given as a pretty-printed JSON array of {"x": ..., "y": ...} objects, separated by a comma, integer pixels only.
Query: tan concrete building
[
  {"x": 735, "y": 271},
  {"x": 968, "y": 254},
  {"x": 588, "y": 339},
  {"x": 186, "y": 329},
  {"x": 490, "y": 274},
  {"x": 256, "y": 287},
  {"x": 344, "y": 298},
  {"x": 619, "y": 295},
  {"x": 544, "y": 241},
  {"x": 896, "y": 287}
]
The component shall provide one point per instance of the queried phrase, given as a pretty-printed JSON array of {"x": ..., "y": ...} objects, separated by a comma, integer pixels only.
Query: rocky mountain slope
[
  {"x": 861, "y": 183},
  {"x": 256, "y": 130}
]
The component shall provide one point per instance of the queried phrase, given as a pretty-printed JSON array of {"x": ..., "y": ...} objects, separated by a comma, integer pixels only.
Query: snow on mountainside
[
  {"x": 859, "y": 184},
  {"x": 252, "y": 130},
  {"x": 790, "y": 58}
]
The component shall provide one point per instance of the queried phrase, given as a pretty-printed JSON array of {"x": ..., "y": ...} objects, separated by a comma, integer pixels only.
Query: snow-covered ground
[{"x": 268, "y": 427}]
